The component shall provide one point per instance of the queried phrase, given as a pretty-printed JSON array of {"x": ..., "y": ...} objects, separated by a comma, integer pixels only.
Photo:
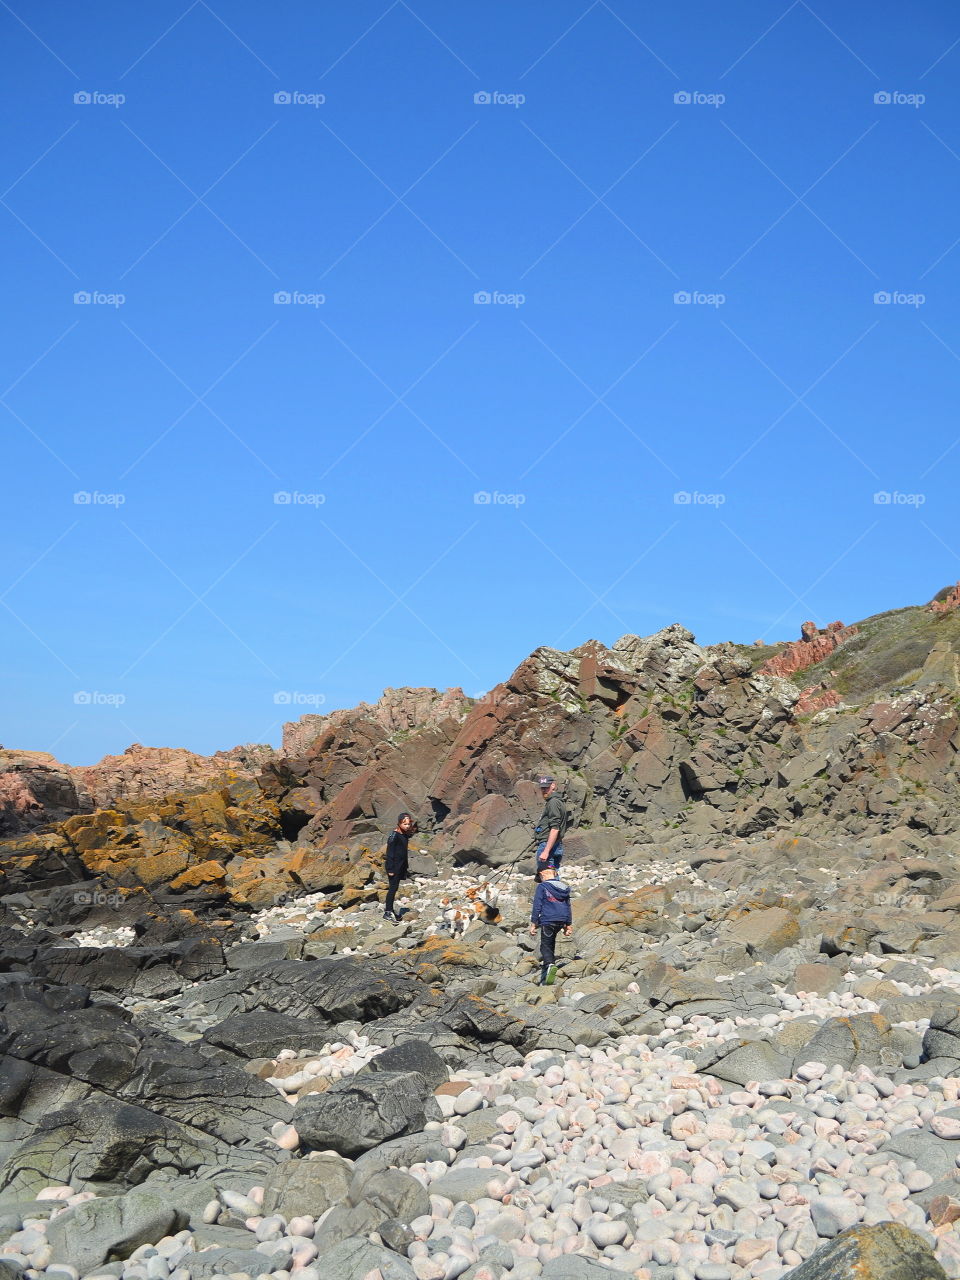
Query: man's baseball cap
[{"x": 545, "y": 782}]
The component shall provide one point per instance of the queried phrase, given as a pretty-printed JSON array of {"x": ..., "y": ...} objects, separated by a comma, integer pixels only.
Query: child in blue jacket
[{"x": 550, "y": 913}]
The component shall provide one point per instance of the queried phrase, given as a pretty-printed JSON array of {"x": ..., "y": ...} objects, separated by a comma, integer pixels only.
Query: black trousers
[
  {"x": 393, "y": 884},
  {"x": 548, "y": 945}
]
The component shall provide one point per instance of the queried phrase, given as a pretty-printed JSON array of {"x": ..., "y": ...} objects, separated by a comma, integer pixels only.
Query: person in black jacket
[
  {"x": 550, "y": 913},
  {"x": 397, "y": 865}
]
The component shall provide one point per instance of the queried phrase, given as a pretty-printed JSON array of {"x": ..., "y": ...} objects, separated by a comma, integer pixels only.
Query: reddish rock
[
  {"x": 812, "y": 647},
  {"x": 817, "y": 697},
  {"x": 36, "y": 789},
  {"x": 397, "y": 711},
  {"x": 945, "y": 601},
  {"x": 146, "y": 773}
]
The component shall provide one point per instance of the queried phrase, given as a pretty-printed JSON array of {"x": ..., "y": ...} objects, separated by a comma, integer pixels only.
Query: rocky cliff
[{"x": 847, "y": 731}]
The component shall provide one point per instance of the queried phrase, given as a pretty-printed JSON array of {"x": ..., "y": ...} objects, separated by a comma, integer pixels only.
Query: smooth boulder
[
  {"x": 359, "y": 1113},
  {"x": 111, "y": 1228}
]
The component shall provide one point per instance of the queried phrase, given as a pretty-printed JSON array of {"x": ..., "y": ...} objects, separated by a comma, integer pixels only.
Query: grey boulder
[
  {"x": 412, "y": 1055},
  {"x": 354, "y": 1257},
  {"x": 361, "y": 1112},
  {"x": 111, "y": 1228},
  {"x": 308, "y": 1186}
]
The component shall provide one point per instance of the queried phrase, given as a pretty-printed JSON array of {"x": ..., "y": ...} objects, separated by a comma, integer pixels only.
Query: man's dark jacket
[{"x": 397, "y": 863}]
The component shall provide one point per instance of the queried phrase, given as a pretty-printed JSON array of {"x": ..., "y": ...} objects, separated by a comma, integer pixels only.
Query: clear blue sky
[{"x": 582, "y": 185}]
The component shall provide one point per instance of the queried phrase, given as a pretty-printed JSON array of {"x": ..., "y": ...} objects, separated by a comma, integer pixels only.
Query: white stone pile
[{"x": 335, "y": 1061}]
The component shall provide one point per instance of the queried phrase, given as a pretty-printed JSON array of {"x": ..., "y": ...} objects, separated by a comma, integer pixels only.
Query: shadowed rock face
[{"x": 35, "y": 790}]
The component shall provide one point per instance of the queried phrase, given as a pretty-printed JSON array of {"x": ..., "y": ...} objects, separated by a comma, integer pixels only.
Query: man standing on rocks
[
  {"x": 550, "y": 913},
  {"x": 397, "y": 865},
  {"x": 552, "y": 826}
]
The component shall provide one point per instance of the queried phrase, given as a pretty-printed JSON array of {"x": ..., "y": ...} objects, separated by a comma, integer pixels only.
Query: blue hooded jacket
[{"x": 551, "y": 903}]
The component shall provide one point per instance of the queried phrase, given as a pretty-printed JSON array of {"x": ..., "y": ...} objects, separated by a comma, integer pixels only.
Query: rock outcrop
[
  {"x": 35, "y": 790},
  {"x": 149, "y": 773},
  {"x": 812, "y": 647}
]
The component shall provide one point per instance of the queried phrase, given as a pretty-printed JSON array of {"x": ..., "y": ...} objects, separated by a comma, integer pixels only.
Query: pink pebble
[
  {"x": 652, "y": 1163},
  {"x": 945, "y": 1127}
]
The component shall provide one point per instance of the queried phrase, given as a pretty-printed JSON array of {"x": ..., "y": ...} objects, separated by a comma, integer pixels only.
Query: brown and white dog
[{"x": 479, "y": 903}]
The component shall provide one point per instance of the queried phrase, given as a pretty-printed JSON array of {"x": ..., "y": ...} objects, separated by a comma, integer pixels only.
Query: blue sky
[{"x": 586, "y": 167}]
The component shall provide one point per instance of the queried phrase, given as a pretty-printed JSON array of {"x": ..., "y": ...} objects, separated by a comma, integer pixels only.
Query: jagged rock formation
[
  {"x": 650, "y": 737},
  {"x": 398, "y": 711},
  {"x": 812, "y": 647},
  {"x": 147, "y": 773},
  {"x": 946, "y": 600},
  {"x": 655, "y": 738},
  {"x": 36, "y": 789}
]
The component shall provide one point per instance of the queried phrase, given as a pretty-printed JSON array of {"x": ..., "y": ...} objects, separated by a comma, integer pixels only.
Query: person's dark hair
[{"x": 404, "y": 815}]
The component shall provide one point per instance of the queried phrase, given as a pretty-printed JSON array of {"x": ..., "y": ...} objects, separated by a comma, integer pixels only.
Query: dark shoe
[{"x": 388, "y": 915}]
